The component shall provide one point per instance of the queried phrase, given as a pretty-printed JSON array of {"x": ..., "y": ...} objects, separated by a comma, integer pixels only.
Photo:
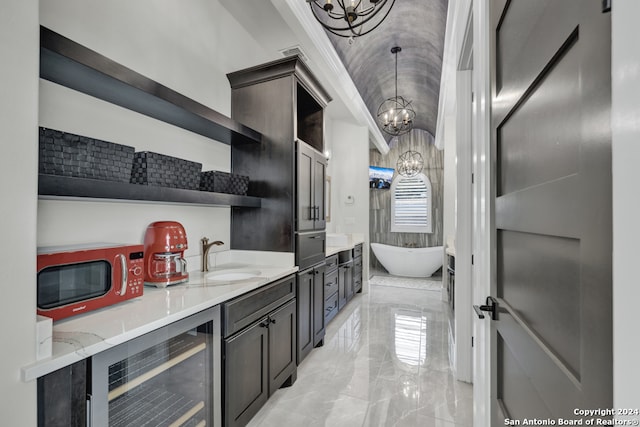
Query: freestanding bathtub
[{"x": 409, "y": 262}]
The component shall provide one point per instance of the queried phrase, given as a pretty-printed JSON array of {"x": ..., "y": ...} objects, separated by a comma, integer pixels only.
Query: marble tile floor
[{"x": 384, "y": 363}]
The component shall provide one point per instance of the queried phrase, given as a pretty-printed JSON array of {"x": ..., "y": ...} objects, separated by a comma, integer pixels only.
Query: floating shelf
[
  {"x": 70, "y": 187},
  {"x": 70, "y": 64}
]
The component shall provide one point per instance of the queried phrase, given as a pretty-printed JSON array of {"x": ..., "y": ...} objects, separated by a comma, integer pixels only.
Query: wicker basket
[
  {"x": 67, "y": 154},
  {"x": 238, "y": 184},
  {"x": 215, "y": 181},
  {"x": 165, "y": 171},
  {"x": 223, "y": 182}
]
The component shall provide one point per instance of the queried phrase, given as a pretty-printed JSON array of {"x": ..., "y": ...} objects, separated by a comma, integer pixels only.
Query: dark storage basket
[
  {"x": 215, "y": 181},
  {"x": 67, "y": 154},
  {"x": 238, "y": 184},
  {"x": 165, "y": 171},
  {"x": 223, "y": 182}
]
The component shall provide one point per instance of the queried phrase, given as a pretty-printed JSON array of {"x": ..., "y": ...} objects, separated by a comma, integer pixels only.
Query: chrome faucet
[{"x": 205, "y": 245}]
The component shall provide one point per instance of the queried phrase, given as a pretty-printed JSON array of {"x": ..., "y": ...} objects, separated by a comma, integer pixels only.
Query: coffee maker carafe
[{"x": 164, "y": 246}]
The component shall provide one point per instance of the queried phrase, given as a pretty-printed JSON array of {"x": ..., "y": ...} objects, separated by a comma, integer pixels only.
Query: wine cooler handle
[
  {"x": 89, "y": 407},
  {"x": 125, "y": 274}
]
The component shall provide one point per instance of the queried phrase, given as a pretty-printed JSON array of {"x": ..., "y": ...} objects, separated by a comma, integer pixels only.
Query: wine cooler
[{"x": 164, "y": 378}]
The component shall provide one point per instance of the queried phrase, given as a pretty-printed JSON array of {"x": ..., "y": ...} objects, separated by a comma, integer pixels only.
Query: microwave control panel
[{"x": 135, "y": 281}]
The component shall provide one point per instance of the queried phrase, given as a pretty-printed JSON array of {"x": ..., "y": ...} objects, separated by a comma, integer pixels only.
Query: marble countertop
[
  {"x": 331, "y": 250},
  {"x": 85, "y": 335}
]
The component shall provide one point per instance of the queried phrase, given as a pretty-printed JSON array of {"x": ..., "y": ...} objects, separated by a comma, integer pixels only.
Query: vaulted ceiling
[{"x": 418, "y": 27}]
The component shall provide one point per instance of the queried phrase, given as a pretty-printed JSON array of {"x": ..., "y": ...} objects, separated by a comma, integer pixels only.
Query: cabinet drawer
[
  {"x": 331, "y": 283},
  {"x": 357, "y": 264},
  {"x": 310, "y": 249},
  {"x": 332, "y": 262},
  {"x": 357, "y": 283},
  {"x": 330, "y": 307},
  {"x": 246, "y": 309},
  {"x": 357, "y": 250}
]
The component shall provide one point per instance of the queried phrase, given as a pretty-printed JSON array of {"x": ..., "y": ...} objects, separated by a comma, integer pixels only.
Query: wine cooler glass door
[{"x": 164, "y": 378}]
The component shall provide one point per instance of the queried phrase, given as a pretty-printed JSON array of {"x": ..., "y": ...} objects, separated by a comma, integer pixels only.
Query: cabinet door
[
  {"x": 342, "y": 290},
  {"x": 62, "y": 397},
  {"x": 306, "y": 209},
  {"x": 319, "y": 194},
  {"x": 282, "y": 345},
  {"x": 304, "y": 299},
  {"x": 318, "y": 305},
  {"x": 246, "y": 373},
  {"x": 348, "y": 281}
]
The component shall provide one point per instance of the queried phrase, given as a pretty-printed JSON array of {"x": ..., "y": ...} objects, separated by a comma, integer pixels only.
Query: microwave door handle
[{"x": 125, "y": 274}]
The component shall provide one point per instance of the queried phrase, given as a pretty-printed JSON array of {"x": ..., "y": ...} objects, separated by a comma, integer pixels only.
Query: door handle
[{"x": 491, "y": 306}]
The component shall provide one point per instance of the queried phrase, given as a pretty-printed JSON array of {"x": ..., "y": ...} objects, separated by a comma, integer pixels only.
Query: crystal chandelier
[
  {"x": 395, "y": 115},
  {"x": 350, "y": 18}
]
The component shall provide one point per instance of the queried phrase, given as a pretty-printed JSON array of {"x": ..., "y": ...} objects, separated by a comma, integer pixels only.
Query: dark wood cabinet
[
  {"x": 285, "y": 102},
  {"x": 260, "y": 348},
  {"x": 357, "y": 268},
  {"x": 318, "y": 306},
  {"x": 282, "y": 347},
  {"x": 311, "y": 181},
  {"x": 345, "y": 277},
  {"x": 246, "y": 373},
  {"x": 331, "y": 288},
  {"x": 62, "y": 397},
  {"x": 310, "y": 299}
]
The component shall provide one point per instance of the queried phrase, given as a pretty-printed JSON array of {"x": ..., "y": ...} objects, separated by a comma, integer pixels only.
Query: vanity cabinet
[
  {"x": 259, "y": 348},
  {"x": 345, "y": 278},
  {"x": 310, "y": 303},
  {"x": 285, "y": 103},
  {"x": 357, "y": 268},
  {"x": 331, "y": 287}
]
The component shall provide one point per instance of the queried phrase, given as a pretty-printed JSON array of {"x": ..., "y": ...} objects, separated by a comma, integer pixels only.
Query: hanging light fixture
[
  {"x": 395, "y": 115},
  {"x": 350, "y": 18},
  {"x": 409, "y": 164}
]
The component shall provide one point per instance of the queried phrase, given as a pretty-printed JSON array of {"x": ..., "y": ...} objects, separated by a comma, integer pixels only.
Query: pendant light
[
  {"x": 395, "y": 115},
  {"x": 350, "y": 18},
  {"x": 410, "y": 163}
]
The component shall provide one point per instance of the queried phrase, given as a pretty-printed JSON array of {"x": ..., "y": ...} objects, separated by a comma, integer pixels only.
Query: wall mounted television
[{"x": 380, "y": 178}]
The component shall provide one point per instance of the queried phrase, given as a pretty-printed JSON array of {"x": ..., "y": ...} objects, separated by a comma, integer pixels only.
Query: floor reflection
[{"x": 384, "y": 363}]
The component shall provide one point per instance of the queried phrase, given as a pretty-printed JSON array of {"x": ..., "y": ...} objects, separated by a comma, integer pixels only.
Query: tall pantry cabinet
[{"x": 285, "y": 102}]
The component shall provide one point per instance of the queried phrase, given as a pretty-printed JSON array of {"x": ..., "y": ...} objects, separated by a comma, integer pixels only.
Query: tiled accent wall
[{"x": 380, "y": 200}]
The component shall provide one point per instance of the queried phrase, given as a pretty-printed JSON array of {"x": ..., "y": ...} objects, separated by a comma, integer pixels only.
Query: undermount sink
[{"x": 234, "y": 275}]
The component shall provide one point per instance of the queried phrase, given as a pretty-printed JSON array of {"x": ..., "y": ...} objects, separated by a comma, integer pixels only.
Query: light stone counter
[
  {"x": 85, "y": 335},
  {"x": 349, "y": 242}
]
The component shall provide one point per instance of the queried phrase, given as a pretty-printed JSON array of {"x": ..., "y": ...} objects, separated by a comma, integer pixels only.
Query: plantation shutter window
[{"x": 411, "y": 204}]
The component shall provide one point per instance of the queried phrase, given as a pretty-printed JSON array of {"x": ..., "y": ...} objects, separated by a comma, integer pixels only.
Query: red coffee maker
[{"x": 164, "y": 246}]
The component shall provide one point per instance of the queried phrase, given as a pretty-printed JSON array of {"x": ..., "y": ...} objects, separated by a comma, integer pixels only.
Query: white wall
[
  {"x": 18, "y": 190},
  {"x": 349, "y": 171},
  {"x": 187, "y": 48},
  {"x": 625, "y": 122}
]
